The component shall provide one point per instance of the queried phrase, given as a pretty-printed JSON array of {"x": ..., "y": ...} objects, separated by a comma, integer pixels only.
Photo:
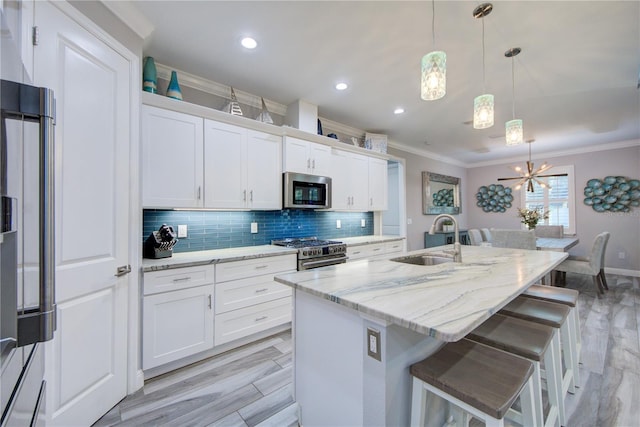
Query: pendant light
[
  {"x": 514, "y": 132},
  {"x": 434, "y": 68},
  {"x": 483, "y": 104}
]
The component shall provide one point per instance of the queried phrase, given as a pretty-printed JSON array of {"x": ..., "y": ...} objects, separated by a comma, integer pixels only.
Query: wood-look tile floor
[{"x": 251, "y": 386}]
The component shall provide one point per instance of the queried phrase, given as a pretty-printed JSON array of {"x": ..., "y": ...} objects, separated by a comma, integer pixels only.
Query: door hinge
[{"x": 35, "y": 35}]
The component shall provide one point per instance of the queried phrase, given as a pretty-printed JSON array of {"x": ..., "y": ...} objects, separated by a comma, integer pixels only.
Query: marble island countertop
[{"x": 445, "y": 301}]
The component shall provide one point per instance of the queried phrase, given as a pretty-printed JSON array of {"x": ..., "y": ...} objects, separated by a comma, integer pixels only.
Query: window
[{"x": 559, "y": 200}]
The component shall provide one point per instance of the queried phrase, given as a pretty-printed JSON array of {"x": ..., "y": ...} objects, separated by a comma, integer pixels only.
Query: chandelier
[{"x": 530, "y": 175}]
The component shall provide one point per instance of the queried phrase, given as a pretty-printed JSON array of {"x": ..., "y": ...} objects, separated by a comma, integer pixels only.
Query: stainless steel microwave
[{"x": 302, "y": 191}]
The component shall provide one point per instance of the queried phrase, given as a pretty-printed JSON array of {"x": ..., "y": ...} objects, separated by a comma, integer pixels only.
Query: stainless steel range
[{"x": 314, "y": 253}]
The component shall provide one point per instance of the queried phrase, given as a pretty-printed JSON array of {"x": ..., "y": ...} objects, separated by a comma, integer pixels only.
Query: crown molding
[
  {"x": 131, "y": 16},
  {"x": 219, "y": 89},
  {"x": 553, "y": 154},
  {"x": 425, "y": 153}
]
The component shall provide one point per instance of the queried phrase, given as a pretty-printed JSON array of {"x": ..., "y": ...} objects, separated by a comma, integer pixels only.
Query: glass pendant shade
[
  {"x": 514, "y": 132},
  {"x": 434, "y": 76},
  {"x": 483, "y": 111}
]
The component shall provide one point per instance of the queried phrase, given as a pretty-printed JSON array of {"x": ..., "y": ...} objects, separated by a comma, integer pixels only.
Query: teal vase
[
  {"x": 149, "y": 76},
  {"x": 173, "y": 90}
]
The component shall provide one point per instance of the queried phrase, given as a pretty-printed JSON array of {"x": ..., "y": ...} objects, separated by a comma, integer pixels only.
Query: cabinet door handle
[
  {"x": 376, "y": 249},
  {"x": 313, "y": 164},
  {"x": 199, "y": 192},
  {"x": 258, "y": 267},
  {"x": 182, "y": 279},
  {"x": 261, "y": 290},
  {"x": 308, "y": 163},
  {"x": 261, "y": 318},
  {"x": 251, "y": 196},
  {"x": 210, "y": 305},
  {"x": 122, "y": 270},
  {"x": 371, "y": 201},
  {"x": 244, "y": 196}
]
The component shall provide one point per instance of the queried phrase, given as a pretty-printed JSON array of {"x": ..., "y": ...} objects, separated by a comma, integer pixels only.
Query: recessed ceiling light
[
  {"x": 249, "y": 43},
  {"x": 341, "y": 86},
  {"x": 398, "y": 110}
]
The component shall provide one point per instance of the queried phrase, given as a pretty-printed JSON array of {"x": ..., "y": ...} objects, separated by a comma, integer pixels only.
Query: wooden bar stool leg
[
  {"x": 527, "y": 403},
  {"x": 571, "y": 354}
]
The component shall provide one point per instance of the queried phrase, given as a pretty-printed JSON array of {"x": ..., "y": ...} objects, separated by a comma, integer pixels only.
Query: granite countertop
[
  {"x": 367, "y": 240},
  {"x": 444, "y": 301},
  {"x": 215, "y": 256}
]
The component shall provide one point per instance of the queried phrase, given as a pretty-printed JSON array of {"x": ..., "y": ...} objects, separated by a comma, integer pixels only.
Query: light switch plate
[
  {"x": 182, "y": 230},
  {"x": 254, "y": 227},
  {"x": 338, "y": 223},
  {"x": 363, "y": 222}
]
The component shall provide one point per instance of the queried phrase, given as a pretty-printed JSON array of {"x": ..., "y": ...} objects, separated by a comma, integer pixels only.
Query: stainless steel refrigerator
[{"x": 27, "y": 263}]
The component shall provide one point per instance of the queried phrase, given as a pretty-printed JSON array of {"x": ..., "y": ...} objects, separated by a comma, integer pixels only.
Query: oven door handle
[{"x": 324, "y": 262}]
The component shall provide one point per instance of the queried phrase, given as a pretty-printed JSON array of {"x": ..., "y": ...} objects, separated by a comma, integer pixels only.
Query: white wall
[
  {"x": 415, "y": 165},
  {"x": 624, "y": 227}
]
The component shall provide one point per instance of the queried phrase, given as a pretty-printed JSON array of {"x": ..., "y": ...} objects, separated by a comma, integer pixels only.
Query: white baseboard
[{"x": 622, "y": 272}]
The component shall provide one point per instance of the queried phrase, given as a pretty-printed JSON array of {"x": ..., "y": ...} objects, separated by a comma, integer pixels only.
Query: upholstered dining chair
[
  {"x": 592, "y": 265},
  {"x": 475, "y": 236},
  {"x": 549, "y": 231},
  {"x": 516, "y": 239},
  {"x": 486, "y": 234}
]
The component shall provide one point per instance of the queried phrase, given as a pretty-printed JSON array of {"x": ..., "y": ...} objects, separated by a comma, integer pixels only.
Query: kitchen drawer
[
  {"x": 156, "y": 282},
  {"x": 250, "y": 320},
  {"x": 255, "y": 267},
  {"x": 365, "y": 251},
  {"x": 242, "y": 293},
  {"x": 393, "y": 247}
]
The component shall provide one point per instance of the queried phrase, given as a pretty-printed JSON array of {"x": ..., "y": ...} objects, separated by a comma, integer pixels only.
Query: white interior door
[{"x": 86, "y": 362}]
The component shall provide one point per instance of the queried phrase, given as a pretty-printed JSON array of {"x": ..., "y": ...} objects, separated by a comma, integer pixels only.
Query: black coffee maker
[{"x": 160, "y": 243}]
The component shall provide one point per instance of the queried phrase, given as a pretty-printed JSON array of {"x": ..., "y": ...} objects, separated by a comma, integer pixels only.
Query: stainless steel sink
[{"x": 423, "y": 259}]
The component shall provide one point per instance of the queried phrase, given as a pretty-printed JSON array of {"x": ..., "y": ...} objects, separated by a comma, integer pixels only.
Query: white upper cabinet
[
  {"x": 243, "y": 168},
  {"x": 378, "y": 184},
  {"x": 359, "y": 183},
  {"x": 172, "y": 173},
  {"x": 350, "y": 181},
  {"x": 306, "y": 157}
]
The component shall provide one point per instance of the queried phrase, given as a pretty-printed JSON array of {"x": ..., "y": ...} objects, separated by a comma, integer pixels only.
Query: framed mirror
[{"x": 440, "y": 194}]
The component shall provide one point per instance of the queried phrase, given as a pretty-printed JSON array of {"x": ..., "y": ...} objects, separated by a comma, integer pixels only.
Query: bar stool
[
  {"x": 554, "y": 315},
  {"x": 532, "y": 341},
  {"x": 480, "y": 380},
  {"x": 568, "y": 297}
]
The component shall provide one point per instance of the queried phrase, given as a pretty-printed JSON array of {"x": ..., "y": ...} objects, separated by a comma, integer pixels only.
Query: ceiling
[{"x": 575, "y": 81}]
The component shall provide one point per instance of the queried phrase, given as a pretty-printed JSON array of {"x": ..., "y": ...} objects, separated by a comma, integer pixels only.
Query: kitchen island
[{"x": 410, "y": 310}]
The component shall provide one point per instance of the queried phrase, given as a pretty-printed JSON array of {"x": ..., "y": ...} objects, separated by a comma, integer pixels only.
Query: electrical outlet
[
  {"x": 373, "y": 344},
  {"x": 182, "y": 230},
  {"x": 622, "y": 255},
  {"x": 363, "y": 223},
  {"x": 409, "y": 221},
  {"x": 254, "y": 227},
  {"x": 338, "y": 223}
]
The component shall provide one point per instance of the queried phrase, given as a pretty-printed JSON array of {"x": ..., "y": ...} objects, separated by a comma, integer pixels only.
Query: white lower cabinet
[
  {"x": 192, "y": 310},
  {"x": 177, "y": 324},
  {"x": 248, "y": 300}
]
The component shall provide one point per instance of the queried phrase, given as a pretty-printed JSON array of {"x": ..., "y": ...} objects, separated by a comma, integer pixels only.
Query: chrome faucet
[{"x": 457, "y": 251}]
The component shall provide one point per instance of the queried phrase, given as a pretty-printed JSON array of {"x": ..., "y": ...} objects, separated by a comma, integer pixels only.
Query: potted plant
[
  {"x": 447, "y": 225},
  {"x": 531, "y": 217}
]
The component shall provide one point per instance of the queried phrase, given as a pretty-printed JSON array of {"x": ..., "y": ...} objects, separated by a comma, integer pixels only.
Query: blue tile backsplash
[{"x": 219, "y": 230}]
